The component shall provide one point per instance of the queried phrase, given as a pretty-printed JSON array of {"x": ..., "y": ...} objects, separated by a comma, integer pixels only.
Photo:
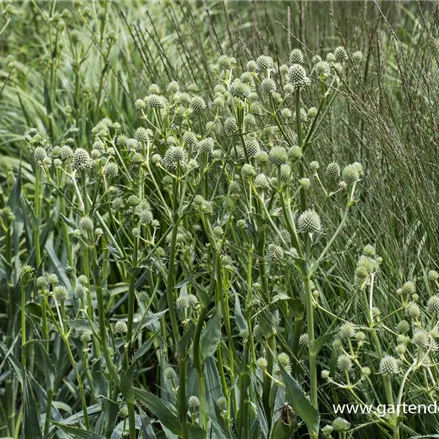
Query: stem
[{"x": 311, "y": 337}]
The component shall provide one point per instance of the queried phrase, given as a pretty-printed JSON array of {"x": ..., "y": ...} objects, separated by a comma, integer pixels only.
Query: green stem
[{"x": 311, "y": 337}]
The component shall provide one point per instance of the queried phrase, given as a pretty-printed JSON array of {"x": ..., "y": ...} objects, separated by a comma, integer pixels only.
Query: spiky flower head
[
  {"x": 251, "y": 147},
  {"x": 278, "y": 155},
  {"x": 66, "y": 152},
  {"x": 60, "y": 293},
  {"x": 388, "y": 365},
  {"x": 261, "y": 182},
  {"x": 262, "y": 363},
  {"x": 276, "y": 252},
  {"x": 139, "y": 104},
  {"x": 154, "y": 89},
  {"x": 189, "y": 138},
  {"x": 111, "y": 170},
  {"x": 40, "y": 154},
  {"x": 193, "y": 402},
  {"x": 174, "y": 157},
  {"x": 304, "y": 340},
  {"x": 357, "y": 56},
  {"x": 173, "y": 87},
  {"x": 80, "y": 291},
  {"x": 369, "y": 250},
  {"x": 268, "y": 86},
  {"x": 433, "y": 304},
  {"x": 263, "y": 62},
  {"x": 182, "y": 303},
  {"x": 344, "y": 363},
  {"x": 81, "y": 160},
  {"x": 309, "y": 222},
  {"x": 239, "y": 89},
  {"x": 340, "y": 54},
  {"x": 120, "y": 327},
  {"x": 323, "y": 69},
  {"x": 251, "y": 66},
  {"x": 155, "y": 101},
  {"x": 297, "y": 76},
  {"x": 197, "y": 103},
  {"x": 347, "y": 331},
  {"x": 403, "y": 327},
  {"x": 192, "y": 300},
  {"x": 248, "y": 170},
  {"x": 86, "y": 223},
  {"x": 351, "y": 174},
  {"x": 408, "y": 288},
  {"x": 295, "y": 153},
  {"x": 433, "y": 276},
  {"x": 296, "y": 56},
  {"x": 413, "y": 311},
  {"x": 340, "y": 424},
  {"x": 333, "y": 170},
  {"x": 230, "y": 126}
]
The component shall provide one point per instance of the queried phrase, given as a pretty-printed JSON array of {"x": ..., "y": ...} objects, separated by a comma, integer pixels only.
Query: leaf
[
  {"x": 240, "y": 321},
  {"x": 126, "y": 385},
  {"x": 185, "y": 341},
  {"x": 297, "y": 308},
  {"x": 155, "y": 405},
  {"x": 58, "y": 266},
  {"x": 77, "y": 433},
  {"x": 31, "y": 426},
  {"x": 211, "y": 336},
  {"x": 318, "y": 344},
  {"x": 144, "y": 348},
  {"x": 300, "y": 403},
  {"x": 196, "y": 432},
  {"x": 281, "y": 430},
  {"x": 85, "y": 326}
]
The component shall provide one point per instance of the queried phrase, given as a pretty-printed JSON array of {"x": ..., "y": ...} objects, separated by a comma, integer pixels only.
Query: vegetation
[{"x": 218, "y": 220}]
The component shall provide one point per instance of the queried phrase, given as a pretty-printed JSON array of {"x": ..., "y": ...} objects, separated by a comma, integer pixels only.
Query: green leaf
[
  {"x": 76, "y": 433},
  {"x": 126, "y": 385},
  {"x": 155, "y": 405},
  {"x": 318, "y": 344},
  {"x": 211, "y": 336},
  {"x": 196, "y": 432},
  {"x": 281, "y": 430},
  {"x": 31, "y": 426},
  {"x": 300, "y": 403},
  {"x": 85, "y": 326},
  {"x": 185, "y": 341}
]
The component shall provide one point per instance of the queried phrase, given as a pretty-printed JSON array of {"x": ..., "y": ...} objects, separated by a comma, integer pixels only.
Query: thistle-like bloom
[
  {"x": 309, "y": 222},
  {"x": 297, "y": 76},
  {"x": 174, "y": 156},
  {"x": 120, "y": 327},
  {"x": 388, "y": 365},
  {"x": 296, "y": 56},
  {"x": 81, "y": 160}
]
